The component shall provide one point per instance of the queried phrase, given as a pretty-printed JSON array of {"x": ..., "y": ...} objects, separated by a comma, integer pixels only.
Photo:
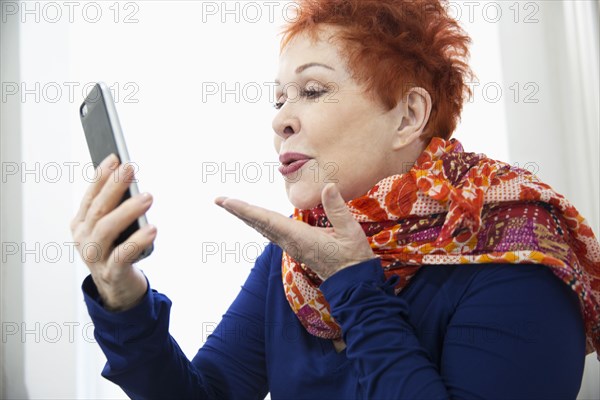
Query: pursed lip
[
  {"x": 293, "y": 167},
  {"x": 290, "y": 157}
]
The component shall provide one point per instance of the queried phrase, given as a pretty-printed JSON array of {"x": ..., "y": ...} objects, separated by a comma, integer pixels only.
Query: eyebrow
[{"x": 303, "y": 67}]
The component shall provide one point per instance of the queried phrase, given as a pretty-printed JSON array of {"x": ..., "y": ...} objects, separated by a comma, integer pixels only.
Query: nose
[{"x": 285, "y": 125}]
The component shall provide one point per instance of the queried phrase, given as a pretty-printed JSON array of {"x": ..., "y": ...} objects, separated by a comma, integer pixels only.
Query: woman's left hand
[{"x": 324, "y": 250}]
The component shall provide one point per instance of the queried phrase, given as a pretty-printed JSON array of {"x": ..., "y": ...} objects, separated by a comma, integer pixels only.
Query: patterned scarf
[{"x": 454, "y": 207}]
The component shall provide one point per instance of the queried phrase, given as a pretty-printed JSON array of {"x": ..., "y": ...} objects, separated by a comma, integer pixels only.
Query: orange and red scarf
[{"x": 454, "y": 207}]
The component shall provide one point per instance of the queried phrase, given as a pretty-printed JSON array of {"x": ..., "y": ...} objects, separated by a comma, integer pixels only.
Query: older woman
[{"x": 425, "y": 272}]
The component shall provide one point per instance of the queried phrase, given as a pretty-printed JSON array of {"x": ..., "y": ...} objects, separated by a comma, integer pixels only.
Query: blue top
[{"x": 455, "y": 331}]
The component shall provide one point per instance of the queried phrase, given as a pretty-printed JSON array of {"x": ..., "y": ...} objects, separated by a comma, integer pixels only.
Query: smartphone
[{"x": 103, "y": 134}]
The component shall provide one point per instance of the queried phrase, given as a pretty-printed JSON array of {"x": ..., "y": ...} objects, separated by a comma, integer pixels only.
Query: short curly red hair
[{"x": 394, "y": 45}]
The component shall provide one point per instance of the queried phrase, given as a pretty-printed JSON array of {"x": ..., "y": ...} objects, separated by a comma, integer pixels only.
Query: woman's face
[{"x": 350, "y": 138}]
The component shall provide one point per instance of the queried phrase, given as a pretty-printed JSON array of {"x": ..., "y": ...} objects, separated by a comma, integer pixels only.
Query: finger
[
  {"x": 255, "y": 217},
  {"x": 109, "y": 227},
  {"x": 275, "y": 227},
  {"x": 219, "y": 200},
  {"x": 104, "y": 170},
  {"x": 110, "y": 194},
  {"x": 295, "y": 237},
  {"x": 337, "y": 211},
  {"x": 127, "y": 252}
]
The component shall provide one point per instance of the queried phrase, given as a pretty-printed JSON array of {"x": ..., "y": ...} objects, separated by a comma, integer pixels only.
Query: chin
[
  {"x": 304, "y": 203},
  {"x": 303, "y": 197}
]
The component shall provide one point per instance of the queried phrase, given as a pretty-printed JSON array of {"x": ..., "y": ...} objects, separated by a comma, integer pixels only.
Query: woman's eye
[
  {"x": 308, "y": 93},
  {"x": 312, "y": 93}
]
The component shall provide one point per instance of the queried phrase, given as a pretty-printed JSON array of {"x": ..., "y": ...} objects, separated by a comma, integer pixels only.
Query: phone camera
[{"x": 83, "y": 110}]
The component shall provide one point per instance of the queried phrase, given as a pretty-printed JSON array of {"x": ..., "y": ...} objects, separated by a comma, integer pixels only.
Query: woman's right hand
[{"x": 99, "y": 222}]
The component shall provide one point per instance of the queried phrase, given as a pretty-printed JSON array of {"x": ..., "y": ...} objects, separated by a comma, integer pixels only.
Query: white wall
[
  {"x": 158, "y": 64},
  {"x": 12, "y": 349}
]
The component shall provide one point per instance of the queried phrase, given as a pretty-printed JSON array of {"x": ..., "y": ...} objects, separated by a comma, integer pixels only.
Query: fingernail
[
  {"x": 128, "y": 169},
  {"x": 219, "y": 200},
  {"x": 146, "y": 197},
  {"x": 110, "y": 160}
]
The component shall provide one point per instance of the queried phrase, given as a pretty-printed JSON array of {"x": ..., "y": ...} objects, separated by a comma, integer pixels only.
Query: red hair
[{"x": 394, "y": 45}]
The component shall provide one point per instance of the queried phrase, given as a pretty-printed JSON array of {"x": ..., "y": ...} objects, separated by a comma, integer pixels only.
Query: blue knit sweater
[{"x": 478, "y": 331}]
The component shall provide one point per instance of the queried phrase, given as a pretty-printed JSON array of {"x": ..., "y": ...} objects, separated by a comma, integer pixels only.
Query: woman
[{"x": 438, "y": 273}]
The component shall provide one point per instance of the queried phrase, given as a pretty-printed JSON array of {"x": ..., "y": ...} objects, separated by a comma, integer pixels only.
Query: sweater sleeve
[
  {"x": 517, "y": 332},
  {"x": 147, "y": 363}
]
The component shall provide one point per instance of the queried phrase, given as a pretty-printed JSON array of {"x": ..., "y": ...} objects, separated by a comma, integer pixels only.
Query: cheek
[
  {"x": 344, "y": 135},
  {"x": 277, "y": 143},
  {"x": 347, "y": 123}
]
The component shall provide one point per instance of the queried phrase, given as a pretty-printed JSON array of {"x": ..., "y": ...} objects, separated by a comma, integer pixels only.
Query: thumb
[{"x": 337, "y": 211}]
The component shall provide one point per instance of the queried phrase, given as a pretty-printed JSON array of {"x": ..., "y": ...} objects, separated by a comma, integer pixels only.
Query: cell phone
[{"x": 104, "y": 136}]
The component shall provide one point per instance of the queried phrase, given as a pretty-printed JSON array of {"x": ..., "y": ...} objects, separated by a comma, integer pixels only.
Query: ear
[{"x": 413, "y": 112}]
